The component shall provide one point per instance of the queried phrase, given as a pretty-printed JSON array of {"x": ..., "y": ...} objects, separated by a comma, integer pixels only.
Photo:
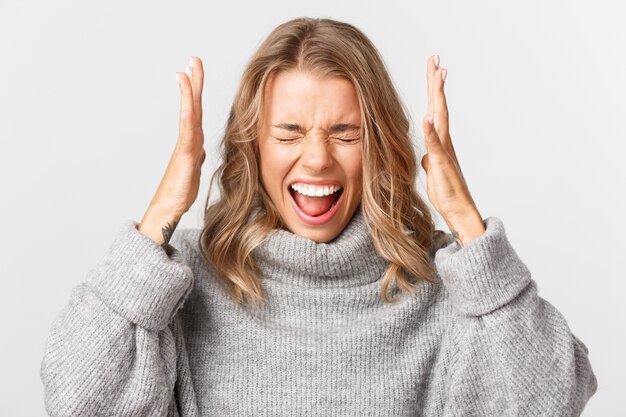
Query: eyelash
[{"x": 342, "y": 140}]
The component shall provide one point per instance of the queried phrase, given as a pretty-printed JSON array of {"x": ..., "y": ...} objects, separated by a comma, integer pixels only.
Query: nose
[{"x": 316, "y": 155}]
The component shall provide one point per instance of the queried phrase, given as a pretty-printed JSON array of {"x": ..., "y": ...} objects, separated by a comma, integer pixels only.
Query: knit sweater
[{"x": 151, "y": 331}]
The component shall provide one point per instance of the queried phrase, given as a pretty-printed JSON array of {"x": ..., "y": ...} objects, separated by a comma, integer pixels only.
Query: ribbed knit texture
[{"x": 152, "y": 332}]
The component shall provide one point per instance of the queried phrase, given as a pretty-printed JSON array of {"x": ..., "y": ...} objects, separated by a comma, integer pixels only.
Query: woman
[{"x": 280, "y": 304}]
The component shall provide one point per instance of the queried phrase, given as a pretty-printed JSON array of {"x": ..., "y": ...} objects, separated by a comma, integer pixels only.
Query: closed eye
[
  {"x": 286, "y": 139},
  {"x": 347, "y": 140}
]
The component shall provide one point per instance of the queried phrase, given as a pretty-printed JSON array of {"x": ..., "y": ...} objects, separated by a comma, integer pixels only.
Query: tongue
[{"x": 314, "y": 206}]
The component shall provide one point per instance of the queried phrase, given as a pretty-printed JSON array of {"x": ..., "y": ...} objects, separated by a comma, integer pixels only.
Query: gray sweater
[{"x": 151, "y": 332}]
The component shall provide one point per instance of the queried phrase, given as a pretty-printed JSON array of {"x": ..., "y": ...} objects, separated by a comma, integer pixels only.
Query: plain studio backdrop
[{"x": 89, "y": 118}]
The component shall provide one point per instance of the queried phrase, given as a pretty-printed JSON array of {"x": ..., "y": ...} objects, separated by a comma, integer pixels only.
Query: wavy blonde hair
[{"x": 402, "y": 227}]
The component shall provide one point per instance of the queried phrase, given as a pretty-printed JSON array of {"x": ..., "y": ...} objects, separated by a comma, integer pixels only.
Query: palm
[
  {"x": 445, "y": 183},
  {"x": 180, "y": 184}
]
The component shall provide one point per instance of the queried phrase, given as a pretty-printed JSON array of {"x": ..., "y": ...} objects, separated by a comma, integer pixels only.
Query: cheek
[
  {"x": 273, "y": 167},
  {"x": 353, "y": 165},
  {"x": 265, "y": 162}
]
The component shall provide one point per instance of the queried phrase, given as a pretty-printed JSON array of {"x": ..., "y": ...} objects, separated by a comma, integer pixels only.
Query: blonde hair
[{"x": 401, "y": 225}]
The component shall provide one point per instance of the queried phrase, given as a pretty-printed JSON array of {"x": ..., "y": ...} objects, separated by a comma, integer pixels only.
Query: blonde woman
[{"x": 318, "y": 284}]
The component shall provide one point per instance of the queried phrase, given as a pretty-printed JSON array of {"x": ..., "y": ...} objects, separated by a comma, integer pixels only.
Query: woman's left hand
[{"x": 446, "y": 186}]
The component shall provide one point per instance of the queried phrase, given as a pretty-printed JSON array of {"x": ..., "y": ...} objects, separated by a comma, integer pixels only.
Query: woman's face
[{"x": 311, "y": 141}]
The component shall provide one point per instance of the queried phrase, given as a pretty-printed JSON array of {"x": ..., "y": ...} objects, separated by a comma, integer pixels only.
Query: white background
[{"x": 89, "y": 118}]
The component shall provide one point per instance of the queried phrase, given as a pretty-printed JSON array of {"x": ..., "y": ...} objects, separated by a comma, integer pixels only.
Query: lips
[{"x": 315, "y": 182}]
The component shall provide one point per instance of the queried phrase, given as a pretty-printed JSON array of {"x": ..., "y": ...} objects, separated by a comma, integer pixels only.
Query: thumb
[
  {"x": 425, "y": 163},
  {"x": 433, "y": 143}
]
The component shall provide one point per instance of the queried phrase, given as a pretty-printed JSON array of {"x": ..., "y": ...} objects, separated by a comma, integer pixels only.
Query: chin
[{"x": 320, "y": 235}]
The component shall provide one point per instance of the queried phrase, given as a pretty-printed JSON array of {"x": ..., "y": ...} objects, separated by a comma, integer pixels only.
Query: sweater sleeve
[
  {"x": 517, "y": 355},
  {"x": 112, "y": 350}
]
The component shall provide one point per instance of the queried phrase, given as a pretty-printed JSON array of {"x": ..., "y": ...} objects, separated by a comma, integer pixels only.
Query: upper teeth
[{"x": 315, "y": 191}]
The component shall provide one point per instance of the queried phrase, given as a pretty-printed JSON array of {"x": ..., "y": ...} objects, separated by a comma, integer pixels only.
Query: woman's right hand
[{"x": 180, "y": 183}]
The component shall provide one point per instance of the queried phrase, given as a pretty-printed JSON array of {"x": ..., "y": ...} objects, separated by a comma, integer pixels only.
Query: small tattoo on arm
[{"x": 168, "y": 231}]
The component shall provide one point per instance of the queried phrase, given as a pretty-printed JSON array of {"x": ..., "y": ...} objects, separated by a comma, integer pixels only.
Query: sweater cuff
[
  {"x": 485, "y": 274},
  {"x": 141, "y": 280}
]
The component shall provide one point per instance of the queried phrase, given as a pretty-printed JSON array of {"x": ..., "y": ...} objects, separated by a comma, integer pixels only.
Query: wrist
[
  {"x": 468, "y": 225},
  {"x": 158, "y": 224}
]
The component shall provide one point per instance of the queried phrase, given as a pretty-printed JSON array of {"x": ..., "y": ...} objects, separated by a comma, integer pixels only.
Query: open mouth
[{"x": 313, "y": 204}]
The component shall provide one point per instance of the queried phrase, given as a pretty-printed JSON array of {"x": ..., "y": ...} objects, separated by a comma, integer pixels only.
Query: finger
[
  {"x": 431, "y": 66},
  {"x": 440, "y": 107},
  {"x": 439, "y": 154},
  {"x": 200, "y": 160},
  {"x": 433, "y": 143},
  {"x": 186, "y": 125},
  {"x": 197, "y": 83},
  {"x": 425, "y": 163}
]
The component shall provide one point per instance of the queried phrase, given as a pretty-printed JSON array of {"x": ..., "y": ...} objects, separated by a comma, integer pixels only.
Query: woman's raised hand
[
  {"x": 445, "y": 184},
  {"x": 180, "y": 183}
]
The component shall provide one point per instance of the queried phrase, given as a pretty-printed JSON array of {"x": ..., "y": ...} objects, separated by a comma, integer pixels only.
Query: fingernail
[
  {"x": 177, "y": 78},
  {"x": 444, "y": 72},
  {"x": 430, "y": 119},
  {"x": 188, "y": 71},
  {"x": 190, "y": 62},
  {"x": 436, "y": 60}
]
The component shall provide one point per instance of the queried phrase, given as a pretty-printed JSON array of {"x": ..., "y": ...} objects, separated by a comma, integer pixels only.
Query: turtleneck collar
[{"x": 349, "y": 260}]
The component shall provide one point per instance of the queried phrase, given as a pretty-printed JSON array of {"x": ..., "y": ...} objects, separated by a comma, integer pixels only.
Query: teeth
[{"x": 315, "y": 191}]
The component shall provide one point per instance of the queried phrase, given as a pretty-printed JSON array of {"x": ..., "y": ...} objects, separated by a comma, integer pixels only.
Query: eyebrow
[{"x": 340, "y": 127}]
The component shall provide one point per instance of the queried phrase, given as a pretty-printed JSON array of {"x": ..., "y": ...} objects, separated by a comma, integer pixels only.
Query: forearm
[{"x": 518, "y": 354}]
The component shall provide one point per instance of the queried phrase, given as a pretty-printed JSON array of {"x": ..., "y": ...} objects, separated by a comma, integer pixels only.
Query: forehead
[{"x": 302, "y": 96}]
